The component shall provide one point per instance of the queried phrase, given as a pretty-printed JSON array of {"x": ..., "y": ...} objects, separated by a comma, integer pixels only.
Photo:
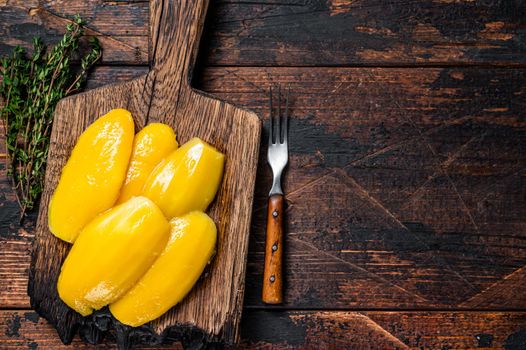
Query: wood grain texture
[
  {"x": 367, "y": 32},
  {"x": 344, "y": 249},
  {"x": 272, "y": 275},
  {"x": 406, "y": 186},
  {"x": 213, "y": 308},
  {"x": 383, "y": 330},
  {"x": 297, "y": 32},
  {"x": 320, "y": 330},
  {"x": 439, "y": 150},
  {"x": 27, "y": 330},
  {"x": 122, "y": 27}
]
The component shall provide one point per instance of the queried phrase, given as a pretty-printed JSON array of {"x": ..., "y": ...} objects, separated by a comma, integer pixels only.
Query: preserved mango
[
  {"x": 92, "y": 177},
  {"x": 111, "y": 254},
  {"x": 189, "y": 249},
  {"x": 151, "y": 145},
  {"x": 187, "y": 179}
]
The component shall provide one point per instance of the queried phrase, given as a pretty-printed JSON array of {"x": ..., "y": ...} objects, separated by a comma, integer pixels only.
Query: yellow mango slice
[
  {"x": 187, "y": 179},
  {"x": 151, "y": 145},
  {"x": 189, "y": 249},
  {"x": 111, "y": 254},
  {"x": 93, "y": 175}
]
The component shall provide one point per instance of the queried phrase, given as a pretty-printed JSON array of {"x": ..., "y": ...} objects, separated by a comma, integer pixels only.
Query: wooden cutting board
[{"x": 211, "y": 312}]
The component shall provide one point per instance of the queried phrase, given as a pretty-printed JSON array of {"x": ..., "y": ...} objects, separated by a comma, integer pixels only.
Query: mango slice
[
  {"x": 92, "y": 177},
  {"x": 187, "y": 179},
  {"x": 189, "y": 249},
  {"x": 151, "y": 145},
  {"x": 111, "y": 254}
]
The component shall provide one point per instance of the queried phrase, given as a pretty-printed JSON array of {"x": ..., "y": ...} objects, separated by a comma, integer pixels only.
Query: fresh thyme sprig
[{"x": 31, "y": 87}]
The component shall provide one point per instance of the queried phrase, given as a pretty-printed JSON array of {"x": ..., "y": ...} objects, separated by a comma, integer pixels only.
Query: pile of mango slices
[{"x": 133, "y": 207}]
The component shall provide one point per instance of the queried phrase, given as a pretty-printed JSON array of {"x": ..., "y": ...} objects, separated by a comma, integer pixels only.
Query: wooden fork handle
[{"x": 273, "y": 281}]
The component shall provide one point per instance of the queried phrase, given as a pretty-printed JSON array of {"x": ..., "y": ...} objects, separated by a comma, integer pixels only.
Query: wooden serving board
[{"x": 211, "y": 312}]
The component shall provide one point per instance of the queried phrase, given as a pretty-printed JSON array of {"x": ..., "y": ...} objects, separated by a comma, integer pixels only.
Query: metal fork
[{"x": 278, "y": 155}]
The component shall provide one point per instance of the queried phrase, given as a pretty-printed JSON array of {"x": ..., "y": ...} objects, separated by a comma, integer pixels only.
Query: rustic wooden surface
[
  {"x": 320, "y": 330},
  {"x": 299, "y": 32},
  {"x": 406, "y": 207}
]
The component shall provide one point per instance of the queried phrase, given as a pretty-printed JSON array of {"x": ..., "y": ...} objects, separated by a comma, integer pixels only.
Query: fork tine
[
  {"x": 285, "y": 126},
  {"x": 271, "y": 120},
  {"x": 278, "y": 131}
]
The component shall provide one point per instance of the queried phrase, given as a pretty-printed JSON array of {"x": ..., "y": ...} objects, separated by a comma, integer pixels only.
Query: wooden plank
[
  {"x": 366, "y": 32},
  {"x": 405, "y": 187},
  {"x": 25, "y": 329},
  {"x": 412, "y": 178},
  {"x": 163, "y": 95},
  {"x": 383, "y": 330},
  {"x": 14, "y": 268},
  {"x": 298, "y": 32},
  {"x": 122, "y": 27},
  {"x": 321, "y": 330}
]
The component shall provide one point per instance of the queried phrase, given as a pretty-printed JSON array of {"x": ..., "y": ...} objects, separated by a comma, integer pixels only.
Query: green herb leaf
[{"x": 30, "y": 88}]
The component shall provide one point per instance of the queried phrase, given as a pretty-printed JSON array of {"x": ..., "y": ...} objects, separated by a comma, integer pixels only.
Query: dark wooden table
[{"x": 406, "y": 213}]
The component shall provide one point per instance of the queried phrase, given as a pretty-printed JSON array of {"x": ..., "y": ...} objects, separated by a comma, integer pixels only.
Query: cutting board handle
[{"x": 175, "y": 28}]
